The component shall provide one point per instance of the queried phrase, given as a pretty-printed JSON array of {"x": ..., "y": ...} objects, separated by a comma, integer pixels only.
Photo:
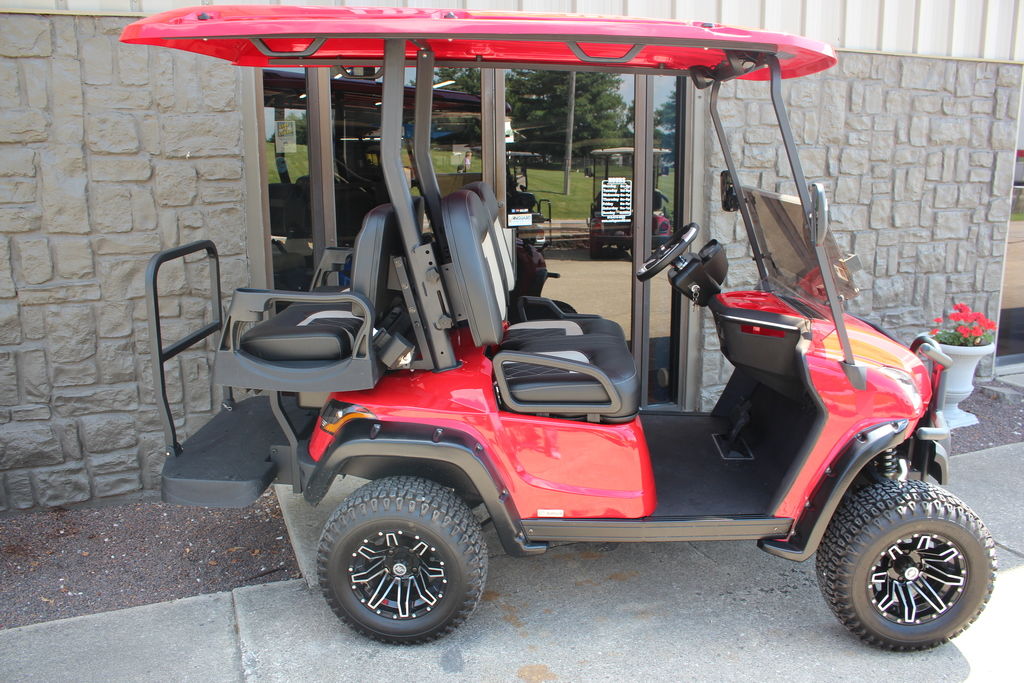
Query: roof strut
[
  {"x": 421, "y": 159},
  {"x": 310, "y": 50},
  {"x": 748, "y": 222},
  {"x": 584, "y": 57},
  {"x": 431, "y": 303}
]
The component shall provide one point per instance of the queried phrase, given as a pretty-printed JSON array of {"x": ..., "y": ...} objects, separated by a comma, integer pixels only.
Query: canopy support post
[
  {"x": 424, "y": 264},
  {"x": 730, "y": 164},
  {"x": 424, "y": 164}
]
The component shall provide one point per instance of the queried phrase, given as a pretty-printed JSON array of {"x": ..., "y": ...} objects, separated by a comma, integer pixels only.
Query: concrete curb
[{"x": 693, "y": 611}]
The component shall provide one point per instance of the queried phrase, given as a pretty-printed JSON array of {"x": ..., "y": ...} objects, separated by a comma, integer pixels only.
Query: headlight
[
  {"x": 905, "y": 381},
  {"x": 335, "y": 414}
]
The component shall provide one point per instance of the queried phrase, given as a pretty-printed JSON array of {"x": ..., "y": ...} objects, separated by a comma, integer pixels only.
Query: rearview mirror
[
  {"x": 730, "y": 200},
  {"x": 819, "y": 210}
]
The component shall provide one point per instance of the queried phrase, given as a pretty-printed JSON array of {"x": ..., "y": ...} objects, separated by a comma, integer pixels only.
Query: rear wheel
[
  {"x": 402, "y": 560},
  {"x": 906, "y": 565}
]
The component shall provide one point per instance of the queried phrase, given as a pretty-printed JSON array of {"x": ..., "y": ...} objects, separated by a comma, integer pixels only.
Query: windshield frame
[{"x": 815, "y": 222}]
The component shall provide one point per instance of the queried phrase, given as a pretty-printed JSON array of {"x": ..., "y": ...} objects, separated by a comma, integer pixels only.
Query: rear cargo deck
[{"x": 228, "y": 463}]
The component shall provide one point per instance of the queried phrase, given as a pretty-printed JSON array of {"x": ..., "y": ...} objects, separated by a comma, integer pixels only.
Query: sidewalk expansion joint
[
  {"x": 242, "y": 674},
  {"x": 1010, "y": 550}
]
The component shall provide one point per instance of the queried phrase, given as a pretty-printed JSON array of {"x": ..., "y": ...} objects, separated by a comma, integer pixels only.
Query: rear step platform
[{"x": 230, "y": 461}]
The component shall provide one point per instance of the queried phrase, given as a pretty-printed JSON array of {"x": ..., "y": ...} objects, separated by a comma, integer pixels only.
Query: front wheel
[
  {"x": 906, "y": 565},
  {"x": 402, "y": 560}
]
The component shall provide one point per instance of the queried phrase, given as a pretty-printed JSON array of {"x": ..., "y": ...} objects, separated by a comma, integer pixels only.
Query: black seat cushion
[
  {"x": 538, "y": 384},
  {"x": 566, "y": 330},
  {"x": 304, "y": 333}
]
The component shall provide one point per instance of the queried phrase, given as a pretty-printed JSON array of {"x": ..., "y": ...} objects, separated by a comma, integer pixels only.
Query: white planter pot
[{"x": 960, "y": 381}]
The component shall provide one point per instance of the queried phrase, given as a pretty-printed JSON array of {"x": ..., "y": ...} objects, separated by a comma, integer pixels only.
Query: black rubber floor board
[
  {"x": 234, "y": 444},
  {"x": 692, "y": 478}
]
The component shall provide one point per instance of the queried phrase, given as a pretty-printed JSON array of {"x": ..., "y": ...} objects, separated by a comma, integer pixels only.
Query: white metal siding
[{"x": 989, "y": 29}]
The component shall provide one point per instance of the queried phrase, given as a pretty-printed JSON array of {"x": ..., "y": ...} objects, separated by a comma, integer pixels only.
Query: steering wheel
[{"x": 661, "y": 257}]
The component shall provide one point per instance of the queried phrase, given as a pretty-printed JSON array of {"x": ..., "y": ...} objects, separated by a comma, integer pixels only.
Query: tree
[
  {"x": 539, "y": 107},
  {"x": 466, "y": 80},
  {"x": 665, "y": 124}
]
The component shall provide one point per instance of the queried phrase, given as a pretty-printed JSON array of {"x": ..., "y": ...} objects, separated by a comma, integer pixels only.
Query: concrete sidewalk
[{"x": 688, "y": 611}]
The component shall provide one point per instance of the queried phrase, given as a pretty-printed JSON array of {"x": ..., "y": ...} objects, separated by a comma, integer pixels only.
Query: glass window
[
  {"x": 1010, "y": 343},
  {"x": 359, "y": 186},
  {"x": 569, "y": 180},
  {"x": 665, "y": 302},
  {"x": 287, "y": 153},
  {"x": 455, "y": 141}
]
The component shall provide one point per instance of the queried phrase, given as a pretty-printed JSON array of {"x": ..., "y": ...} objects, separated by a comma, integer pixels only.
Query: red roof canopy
[{"x": 268, "y": 35}]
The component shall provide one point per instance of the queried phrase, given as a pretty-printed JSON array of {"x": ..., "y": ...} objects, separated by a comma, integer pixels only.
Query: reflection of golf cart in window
[
  {"x": 611, "y": 214},
  {"x": 524, "y": 209},
  {"x": 358, "y": 180}
]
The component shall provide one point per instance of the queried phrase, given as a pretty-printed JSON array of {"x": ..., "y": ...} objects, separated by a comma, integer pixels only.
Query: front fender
[
  {"x": 811, "y": 525},
  {"x": 372, "y": 448}
]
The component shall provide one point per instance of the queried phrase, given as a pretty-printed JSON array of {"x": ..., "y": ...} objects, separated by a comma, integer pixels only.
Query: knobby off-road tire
[
  {"x": 402, "y": 560},
  {"x": 888, "y": 533}
]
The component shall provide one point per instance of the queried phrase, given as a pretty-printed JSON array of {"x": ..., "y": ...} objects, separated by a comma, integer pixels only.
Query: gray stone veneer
[
  {"x": 108, "y": 153},
  {"x": 917, "y": 156}
]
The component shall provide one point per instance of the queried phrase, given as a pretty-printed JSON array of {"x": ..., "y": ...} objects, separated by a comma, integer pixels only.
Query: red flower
[
  {"x": 963, "y": 330},
  {"x": 935, "y": 331},
  {"x": 961, "y": 307},
  {"x": 977, "y": 331},
  {"x": 937, "y": 320}
]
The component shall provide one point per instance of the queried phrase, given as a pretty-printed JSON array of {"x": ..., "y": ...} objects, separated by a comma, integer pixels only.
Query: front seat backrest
[
  {"x": 467, "y": 227},
  {"x": 498, "y": 236}
]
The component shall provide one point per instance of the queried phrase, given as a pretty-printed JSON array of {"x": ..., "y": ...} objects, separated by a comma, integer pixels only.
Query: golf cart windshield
[{"x": 788, "y": 248}]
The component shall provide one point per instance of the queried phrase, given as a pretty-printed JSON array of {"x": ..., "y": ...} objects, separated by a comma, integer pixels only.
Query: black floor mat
[{"x": 692, "y": 478}]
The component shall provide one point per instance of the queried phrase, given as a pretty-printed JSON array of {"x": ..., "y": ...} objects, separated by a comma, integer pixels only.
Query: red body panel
[
  {"x": 850, "y": 410},
  {"x": 469, "y": 36},
  {"x": 582, "y": 469},
  {"x": 598, "y": 470}
]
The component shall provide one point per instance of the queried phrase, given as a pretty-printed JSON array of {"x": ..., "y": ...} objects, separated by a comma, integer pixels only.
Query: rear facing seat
[
  {"x": 325, "y": 340},
  {"x": 562, "y": 325},
  {"x": 318, "y": 332},
  {"x": 559, "y": 372}
]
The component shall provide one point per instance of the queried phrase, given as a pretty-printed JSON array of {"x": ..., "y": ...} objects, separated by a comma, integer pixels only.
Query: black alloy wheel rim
[
  {"x": 917, "y": 579},
  {"x": 397, "y": 575}
]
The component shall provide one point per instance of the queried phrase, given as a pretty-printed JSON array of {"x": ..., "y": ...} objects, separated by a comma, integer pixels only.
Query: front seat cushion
[{"x": 530, "y": 383}]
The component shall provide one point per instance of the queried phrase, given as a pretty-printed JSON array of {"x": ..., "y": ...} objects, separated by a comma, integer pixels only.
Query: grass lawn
[
  {"x": 543, "y": 182},
  {"x": 547, "y": 184},
  {"x": 1017, "y": 217},
  {"x": 298, "y": 163}
]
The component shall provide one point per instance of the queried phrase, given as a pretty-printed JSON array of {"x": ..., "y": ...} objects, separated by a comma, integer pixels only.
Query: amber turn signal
[{"x": 335, "y": 414}]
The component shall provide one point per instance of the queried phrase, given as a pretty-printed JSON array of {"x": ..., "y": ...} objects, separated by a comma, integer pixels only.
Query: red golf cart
[
  {"x": 823, "y": 440},
  {"x": 611, "y": 215}
]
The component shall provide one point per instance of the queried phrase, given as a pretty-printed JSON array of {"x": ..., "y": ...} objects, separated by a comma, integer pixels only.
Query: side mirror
[
  {"x": 819, "y": 209},
  {"x": 730, "y": 200}
]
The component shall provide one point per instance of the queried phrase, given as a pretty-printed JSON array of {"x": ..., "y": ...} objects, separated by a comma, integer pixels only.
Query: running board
[{"x": 655, "y": 529}]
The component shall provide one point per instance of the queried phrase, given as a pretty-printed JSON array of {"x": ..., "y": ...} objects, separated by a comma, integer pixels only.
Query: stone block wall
[
  {"x": 108, "y": 153},
  {"x": 917, "y": 157}
]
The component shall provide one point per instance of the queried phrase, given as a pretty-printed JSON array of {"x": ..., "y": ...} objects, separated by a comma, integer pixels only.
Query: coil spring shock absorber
[{"x": 891, "y": 466}]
